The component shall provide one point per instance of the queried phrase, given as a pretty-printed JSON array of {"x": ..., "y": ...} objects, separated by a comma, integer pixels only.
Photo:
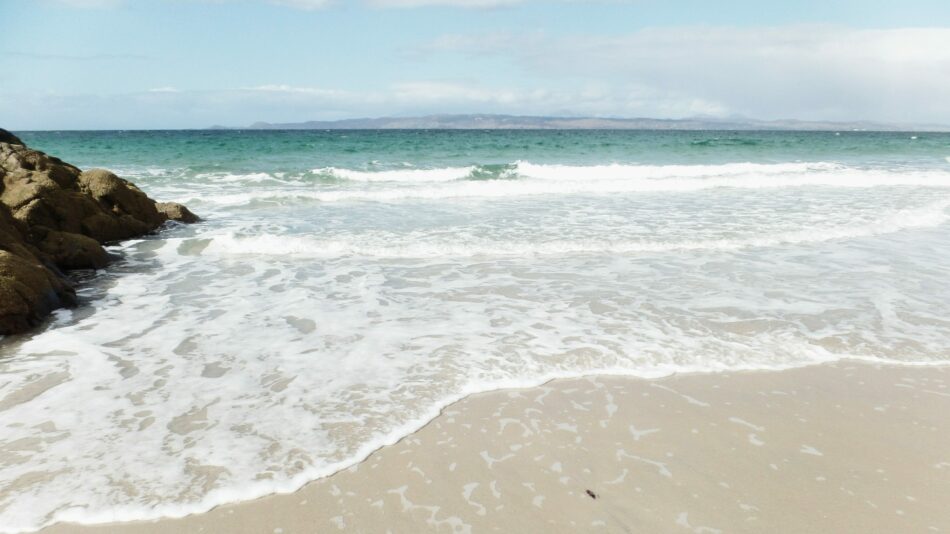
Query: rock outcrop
[
  {"x": 55, "y": 217},
  {"x": 176, "y": 212}
]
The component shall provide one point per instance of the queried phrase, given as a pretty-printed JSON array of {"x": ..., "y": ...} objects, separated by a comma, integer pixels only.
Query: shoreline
[
  {"x": 414, "y": 427},
  {"x": 217, "y": 516}
]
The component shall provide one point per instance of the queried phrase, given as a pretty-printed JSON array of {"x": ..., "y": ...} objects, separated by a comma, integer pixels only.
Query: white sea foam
[
  {"x": 143, "y": 171},
  {"x": 653, "y": 172},
  {"x": 229, "y": 177},
  {"x": 382, "y": 245},
  {"x": 263, "y": 178},
  {"x": 613, "y": 171},
  {"x": 562, "y": 180},
  {"x": 402, "y": 175},
  {"x": 550, "y": 172},
  {"x": 271, "y": 345}
]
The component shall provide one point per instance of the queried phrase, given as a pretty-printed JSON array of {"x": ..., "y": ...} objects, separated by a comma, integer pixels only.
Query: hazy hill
[{"x": 517, "y": 122}]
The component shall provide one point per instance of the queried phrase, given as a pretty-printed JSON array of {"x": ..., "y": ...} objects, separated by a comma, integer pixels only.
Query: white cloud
[
  {"x": 165, "y": 107},
  {"x": 289, "y": 89},
  {"x": 818, "y": 72},
  {"x": 451, "y": 92},
  {"x": 814, "y": 73},
  {"x": 424, "y": 96}
]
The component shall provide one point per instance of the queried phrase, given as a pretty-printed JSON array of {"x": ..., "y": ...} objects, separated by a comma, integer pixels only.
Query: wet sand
[{"x": 848, "y": 447}]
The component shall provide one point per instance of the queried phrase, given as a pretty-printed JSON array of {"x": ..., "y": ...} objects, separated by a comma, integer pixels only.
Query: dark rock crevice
[{"x": 55, "y": 217}]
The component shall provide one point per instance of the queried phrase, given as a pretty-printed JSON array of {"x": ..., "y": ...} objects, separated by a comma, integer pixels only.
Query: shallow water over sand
[{"x": 331, "y": 304}]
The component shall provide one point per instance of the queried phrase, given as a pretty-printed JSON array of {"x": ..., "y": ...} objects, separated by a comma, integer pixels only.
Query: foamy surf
[
  {"x": 614, "y": 171},
  {"x": 562, "y": 180},
  {"x": 403, "y": 175},
  {"x": 381, "y": 245},
  {"x": 618, "y": 171},
  {"x": 336, "y": 297}
]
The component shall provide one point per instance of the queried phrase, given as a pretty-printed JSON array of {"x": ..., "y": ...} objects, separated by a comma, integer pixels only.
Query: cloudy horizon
[{"x": 105, "y": 64}]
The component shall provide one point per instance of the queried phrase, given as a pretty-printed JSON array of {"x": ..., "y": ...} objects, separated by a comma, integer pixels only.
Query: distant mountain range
[{"x": 518, "y": 122}]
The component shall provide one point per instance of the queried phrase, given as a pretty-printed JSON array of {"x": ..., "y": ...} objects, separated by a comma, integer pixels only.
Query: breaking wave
[
  {"x": 535, "y": 180},
  {"x": 382, "y": 245}
]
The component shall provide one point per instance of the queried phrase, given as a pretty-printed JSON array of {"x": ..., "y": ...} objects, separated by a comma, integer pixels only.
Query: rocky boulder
[
  {"x": 174, "y": 211},
  {"x": 55, "y": 217},
  {"x": 124, "y": 210},
  {"x": 29, "y": 287},
  {"x": 7, "y": 137},
  {"x": 71, "y": 251}
]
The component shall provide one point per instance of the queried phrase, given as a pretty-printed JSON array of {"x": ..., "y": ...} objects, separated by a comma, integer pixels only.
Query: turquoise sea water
[
  {"x": 303, "y": 150},
  {"x": 346, "y": 285}
]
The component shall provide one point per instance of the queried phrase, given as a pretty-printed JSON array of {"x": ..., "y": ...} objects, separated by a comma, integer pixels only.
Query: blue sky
[{"x": 76, "y": 64}]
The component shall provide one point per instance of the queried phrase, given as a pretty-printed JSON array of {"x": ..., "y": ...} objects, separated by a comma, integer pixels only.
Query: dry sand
[{"x": 833, "y": 448}]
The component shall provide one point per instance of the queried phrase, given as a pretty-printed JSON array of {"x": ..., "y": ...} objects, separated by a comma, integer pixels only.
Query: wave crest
[
  {"x": 383, "y": 246},
  {"x": 446, "y": 174}
]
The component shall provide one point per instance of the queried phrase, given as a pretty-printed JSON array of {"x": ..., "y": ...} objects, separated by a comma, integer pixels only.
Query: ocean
[{"x": 345, "y": 286}]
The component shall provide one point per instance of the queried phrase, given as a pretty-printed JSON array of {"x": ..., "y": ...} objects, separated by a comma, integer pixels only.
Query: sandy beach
[
  {"x": 474, "y": 266},
  {"x": 846, "y": 447}
]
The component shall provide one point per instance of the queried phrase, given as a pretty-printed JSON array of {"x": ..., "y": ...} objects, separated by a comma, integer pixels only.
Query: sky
[{"x": 144, "y": 64}]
